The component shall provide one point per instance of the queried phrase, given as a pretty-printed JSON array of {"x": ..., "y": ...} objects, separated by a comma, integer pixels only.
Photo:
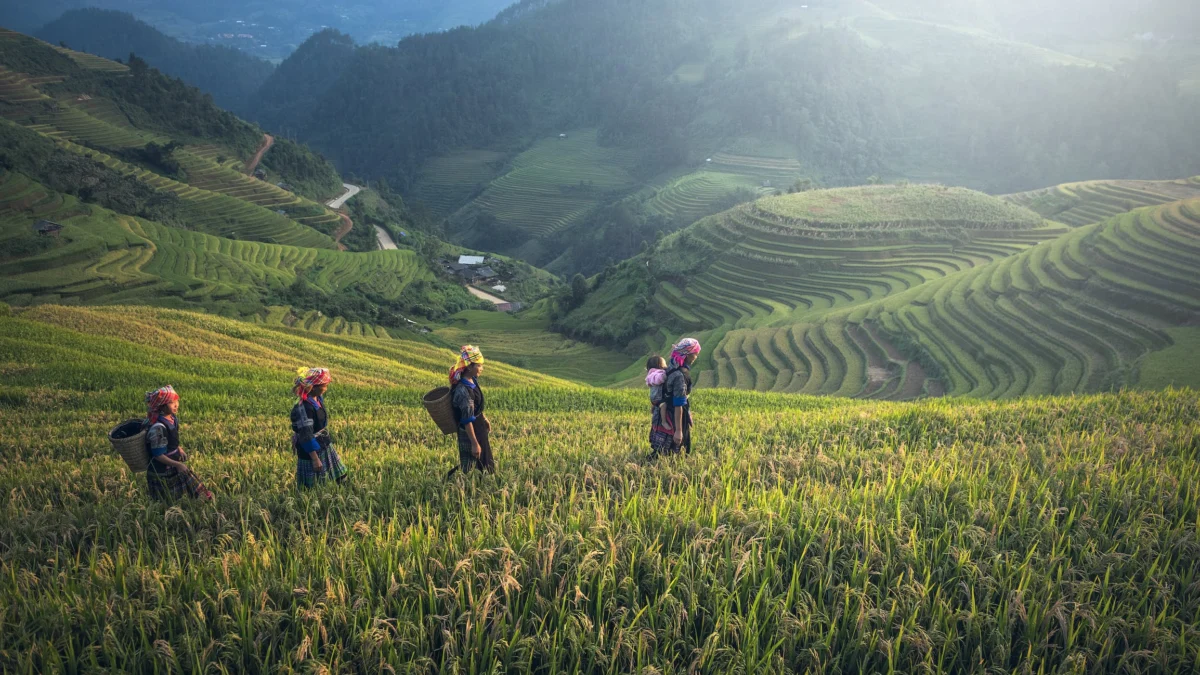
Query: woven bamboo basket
[
  {"x": 129, "y": 440},
  {"x": 441, "y": 409}
]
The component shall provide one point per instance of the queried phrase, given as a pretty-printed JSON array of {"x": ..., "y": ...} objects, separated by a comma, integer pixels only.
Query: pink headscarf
[
  {"x": 156, "y": 399},
  {"x": 307, "y": 378},
  {"x": 685, "y": 348}
]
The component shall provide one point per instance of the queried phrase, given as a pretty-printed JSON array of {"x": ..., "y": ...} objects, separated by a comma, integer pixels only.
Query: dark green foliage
[
  {"x": 155, "y": 102},
  {"x": 29, "y": 56},
  {"x": 37, "y": 157},
  {"x": 158, "y": 158},
  {"x": 228, "y": 74},
  {"x": 307, "y": 172},
  {"x": 422, "y": 299},
  {"x": 579, "y": 290},
  {"x": 301, "y": 79}
]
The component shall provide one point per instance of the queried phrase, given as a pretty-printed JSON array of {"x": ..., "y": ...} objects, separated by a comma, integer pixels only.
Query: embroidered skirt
[
  {"x": 168, "y": 487},
  {"x": 332, "y": 469}
]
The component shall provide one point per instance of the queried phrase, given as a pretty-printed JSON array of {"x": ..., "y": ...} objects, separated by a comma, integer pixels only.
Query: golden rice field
[{"x": 804, "y": 535}]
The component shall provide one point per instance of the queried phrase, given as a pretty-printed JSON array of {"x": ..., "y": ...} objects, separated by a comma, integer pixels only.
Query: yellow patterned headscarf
[{"x": 467, "y": 355}]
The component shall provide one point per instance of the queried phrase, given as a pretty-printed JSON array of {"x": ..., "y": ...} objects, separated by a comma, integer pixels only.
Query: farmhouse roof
[
  {"x": 485, "y": 273},
  {"x": 470, "y": 260},
  {"x": 47, "y": 226}
]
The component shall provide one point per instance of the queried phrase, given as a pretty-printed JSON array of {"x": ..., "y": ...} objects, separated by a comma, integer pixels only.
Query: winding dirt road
[
  {"x": 336, "y": 204},
  {"x": 268, "y": 141}
]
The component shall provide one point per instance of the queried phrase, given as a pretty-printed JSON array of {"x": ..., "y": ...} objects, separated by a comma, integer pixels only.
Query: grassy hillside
[
  {"x": 902, "y": 292},
  {"x": 1053, "y": 535},
  {"x": 106, "y": 110},
  {"x": 1083, "y": 312},
  {"x": 1093, "y": 201},
  {"x": 229, "y": 75},
  {"x": 104, "y": 257}
]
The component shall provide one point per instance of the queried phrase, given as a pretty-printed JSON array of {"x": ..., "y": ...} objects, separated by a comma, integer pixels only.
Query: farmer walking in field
[
  {"x": 316, "y": 459},
  {"x": 474, "y": 449},
  {"x": 677, "y": 390},
  {"x": 167, "y": 476}
]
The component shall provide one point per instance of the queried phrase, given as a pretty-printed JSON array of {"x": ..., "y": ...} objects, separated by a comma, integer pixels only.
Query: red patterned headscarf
[
  {"x": 685, "y": 348},
  {"x": 307, "y": 378},
  {"x": 156, "y": 399}
]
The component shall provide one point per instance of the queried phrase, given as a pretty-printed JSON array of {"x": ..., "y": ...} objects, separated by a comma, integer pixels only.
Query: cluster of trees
[
  {"x": 307, "y": 172},
  {"x": 66, "y": 172}
]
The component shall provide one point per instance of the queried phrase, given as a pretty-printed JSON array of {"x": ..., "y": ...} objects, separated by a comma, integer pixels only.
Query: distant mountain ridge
[{"x": 231, "y": 76}]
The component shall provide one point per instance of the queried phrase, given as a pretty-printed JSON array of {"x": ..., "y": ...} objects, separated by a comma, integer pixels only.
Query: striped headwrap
[
  {"x": 307, "y": 378},
  {"x": 156, "y": 399},
  {"x": 685, "y": 348},
  {"x": 467, "y": 355}
]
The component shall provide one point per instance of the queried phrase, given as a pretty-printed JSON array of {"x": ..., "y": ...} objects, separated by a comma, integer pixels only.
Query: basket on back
[
  {"x": 441, "y": 409},
  {"x": 129, "y": 440}
]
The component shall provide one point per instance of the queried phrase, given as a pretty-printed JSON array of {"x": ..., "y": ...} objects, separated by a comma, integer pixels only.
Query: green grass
[
  {"x": 555, "y": 183},
  {"x": 1176, "y": 365},
  {"x": 449, "y": 181},
  {"x": 895, "y": 208},
  {"x": 528, "y": 342},
  {"x": 803, "y": 535},
  {"x": 105, "y": 257}
]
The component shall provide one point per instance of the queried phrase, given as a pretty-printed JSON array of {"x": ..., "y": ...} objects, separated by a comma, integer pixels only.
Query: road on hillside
[
  {"x": 485, "y": 296},
  {"x": 338, "y": 203},
  {"x": 385, "y": 240},
  {"x": 268, "y": 141}
]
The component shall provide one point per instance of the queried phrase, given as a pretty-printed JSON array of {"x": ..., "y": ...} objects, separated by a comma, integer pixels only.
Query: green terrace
[
  {"x": 104, "y": 257},
  {"x": 1078, "y": 204},
  {"x": 1086, "y": 311}
]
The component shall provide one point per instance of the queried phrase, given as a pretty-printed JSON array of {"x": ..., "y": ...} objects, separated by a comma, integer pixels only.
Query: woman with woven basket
[
  {"x": 474, "y": 447},
  {"x": 316, "y": 459},
  {"x": 168, "y": 476}
]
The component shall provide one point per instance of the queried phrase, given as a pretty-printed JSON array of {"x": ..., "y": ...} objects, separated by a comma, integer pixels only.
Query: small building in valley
[
  {"x": 470, "y": 260},
  {"x": 47, "y": 228}
]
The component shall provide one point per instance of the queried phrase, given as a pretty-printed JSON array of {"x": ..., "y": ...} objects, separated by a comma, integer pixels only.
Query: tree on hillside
[{"x": 579, "y": 290}]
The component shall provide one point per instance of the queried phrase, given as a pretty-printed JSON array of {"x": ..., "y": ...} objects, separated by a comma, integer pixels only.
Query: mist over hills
[{"x": 270, "y": 30}]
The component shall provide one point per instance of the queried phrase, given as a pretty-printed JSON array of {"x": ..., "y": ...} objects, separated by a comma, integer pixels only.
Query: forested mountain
[
  {"x": 228, "y": 74},
  {"x": 303, "y": 78},
  {"x": 272, "y": 29},
  {"x": 693, "y": 103}
]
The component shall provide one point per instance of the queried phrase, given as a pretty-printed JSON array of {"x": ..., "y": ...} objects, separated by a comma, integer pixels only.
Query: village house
[{"x": 47, "y": 228}]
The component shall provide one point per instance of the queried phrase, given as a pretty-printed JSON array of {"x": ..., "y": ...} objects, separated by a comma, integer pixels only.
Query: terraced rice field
[
  {"x": 1078, "y": 204},
  {"x": 225, "y": 202},
  {"x": 803, "y": 535},
  {"x": 1077, "y": 313},
  {"x": 108, "y": 258},
  {"x": 555, "y": 183},
  {"x": 773, "y": 269},
  {"x": 765, "y": 171},
  {"x": 696, "y": 195},
  {"x": 449, "y": 181}
]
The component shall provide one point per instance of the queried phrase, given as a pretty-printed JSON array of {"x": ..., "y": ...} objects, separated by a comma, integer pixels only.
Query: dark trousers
[{"x": 467, "y": 459}]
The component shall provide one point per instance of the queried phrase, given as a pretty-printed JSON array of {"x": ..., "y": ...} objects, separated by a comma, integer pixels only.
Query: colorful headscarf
[
  {"x": 307, "y": 378},
  {"x": 685, "y": 348},
  {"x": 466, "y": 356},
  {"x": 156, "y": 399}
]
